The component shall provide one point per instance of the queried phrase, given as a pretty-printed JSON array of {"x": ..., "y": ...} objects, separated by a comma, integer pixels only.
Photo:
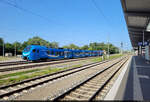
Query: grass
[
  {"x": 105, "y": 57},
  {"x": 22, "y": 77},
  {"x": 97, "y": 59},
  {"x": 18, "y": 73},
  {"x": 115, "y": 56}
]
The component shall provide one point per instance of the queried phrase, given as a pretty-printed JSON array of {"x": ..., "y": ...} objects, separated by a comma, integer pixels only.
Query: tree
[
  {"x": 103, "y": 46},
  {"x": 9, "y": 48},
  {"x": 66, "y": 47},
  {"x": 37, "y": 41},
  {"x": 53, "y": 45},
  {"x": 18, "y": 47},
  {"x": 85, "y": 47},
  {"x": 72, "y": 46},
  {"x": 1, "y": 46}
]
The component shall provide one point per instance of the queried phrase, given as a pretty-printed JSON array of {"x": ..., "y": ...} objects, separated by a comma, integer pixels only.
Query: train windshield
[{"x": 27, "y": 49}]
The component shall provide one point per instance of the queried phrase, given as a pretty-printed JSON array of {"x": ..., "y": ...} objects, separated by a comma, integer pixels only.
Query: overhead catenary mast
[
  {"x": 15, "y": 50},
  {"x": 3, "y": 49},
  {"x": 121, "y": 47},
  {"x": 108, "y": 49}
]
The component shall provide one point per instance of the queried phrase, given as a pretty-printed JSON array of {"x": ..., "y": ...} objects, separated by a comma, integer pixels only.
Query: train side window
[
  {"x": 61, "y": 53},
  {"x": 57, "y": 53},
  {"x": 52, "y": 52},
  {"x": 48, "y": 52},
  {"x": 34, "y": 50},
  {"x": 37, "y": 51}
]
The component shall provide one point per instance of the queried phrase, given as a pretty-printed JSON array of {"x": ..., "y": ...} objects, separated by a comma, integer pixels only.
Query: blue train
[{"x": 37, "y": 52}]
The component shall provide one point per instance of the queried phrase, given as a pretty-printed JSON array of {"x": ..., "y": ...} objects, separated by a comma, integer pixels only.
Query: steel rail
[
  {"x": 88, "y": 79},
  {"x": 45, "y": 81}
]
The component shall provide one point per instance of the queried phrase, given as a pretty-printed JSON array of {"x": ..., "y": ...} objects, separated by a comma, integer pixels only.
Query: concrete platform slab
[{"x": 136, "y": 81}]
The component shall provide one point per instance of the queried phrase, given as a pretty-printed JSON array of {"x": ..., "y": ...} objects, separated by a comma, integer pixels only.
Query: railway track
[
  {"x": 92, "y": 86},
  {"x": 27, "y": 62},
  {"x": 26, "y": 65},
  {"x": 13, "y": 63},
  {"x": 8, "y": 90}
]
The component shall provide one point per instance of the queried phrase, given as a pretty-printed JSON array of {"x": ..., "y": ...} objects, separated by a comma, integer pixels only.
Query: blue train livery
[{"x": 38, "y": 52}]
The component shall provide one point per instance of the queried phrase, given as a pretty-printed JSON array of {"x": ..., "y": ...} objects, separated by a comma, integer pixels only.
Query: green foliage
[
  {"x": 10, "y": 48},
  {"x": 53, "y": 45},
  {"x": 103, "y": 46},
  {"x": 1, "y": 46},
  {"x": 39, "y": 41},
  {"x": 72, "y": 46},
  {"x": 85, "y": 47}
]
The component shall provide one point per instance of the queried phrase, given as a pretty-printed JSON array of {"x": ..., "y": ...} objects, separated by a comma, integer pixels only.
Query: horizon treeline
[{"x": 10, "y": 47}]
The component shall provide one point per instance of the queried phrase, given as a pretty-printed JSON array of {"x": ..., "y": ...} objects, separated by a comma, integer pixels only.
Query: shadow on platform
[{"x": 136, "y": 83}]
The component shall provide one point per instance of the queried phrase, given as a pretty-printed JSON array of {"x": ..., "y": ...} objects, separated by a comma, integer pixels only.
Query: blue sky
[{"x": 64, "y": 21}]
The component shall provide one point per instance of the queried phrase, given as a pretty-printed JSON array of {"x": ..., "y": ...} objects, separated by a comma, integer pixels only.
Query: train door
[
  {"x": 35, "y": 55},
  {"x": 65, "y": 54}
]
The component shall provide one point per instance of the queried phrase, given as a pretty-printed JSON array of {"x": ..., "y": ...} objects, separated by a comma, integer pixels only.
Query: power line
[
  {"x": 8, "y": 2},
  {"x": 101, "y": 13}
]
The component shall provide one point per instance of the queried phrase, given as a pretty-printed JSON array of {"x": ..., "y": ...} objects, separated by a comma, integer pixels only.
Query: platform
[{"x": 135, "y": 84}]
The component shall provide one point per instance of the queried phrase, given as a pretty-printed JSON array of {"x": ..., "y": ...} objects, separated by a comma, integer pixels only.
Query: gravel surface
[
  {"x": 49, "y": 90},
  {"x": 95, "y": 83},
  {"x": 107, "y": 88}
]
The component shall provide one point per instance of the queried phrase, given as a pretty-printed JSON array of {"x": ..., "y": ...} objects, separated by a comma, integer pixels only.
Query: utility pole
[
  {"x": 121, "y": 47},
  {"x": 15, "y": 49},
  {"x": 108, "y": 49},
  {"x": 3, "y": 49}
]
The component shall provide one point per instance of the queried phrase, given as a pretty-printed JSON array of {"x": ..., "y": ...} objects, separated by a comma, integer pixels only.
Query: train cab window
[
  {"x": 34, "y": 50},
  {"x": 27, "y": 49}
]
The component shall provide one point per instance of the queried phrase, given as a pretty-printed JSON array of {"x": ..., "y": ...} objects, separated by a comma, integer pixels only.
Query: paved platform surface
[{"x": 136, "y": 82}]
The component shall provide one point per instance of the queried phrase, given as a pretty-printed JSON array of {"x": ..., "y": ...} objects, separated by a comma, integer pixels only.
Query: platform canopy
[{"x": 137, "y": 16}]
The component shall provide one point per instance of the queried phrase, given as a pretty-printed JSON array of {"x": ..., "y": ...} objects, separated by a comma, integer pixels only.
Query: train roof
[
  {"x": 37, "y": 46},
  {"x": 61, "y": 49}
]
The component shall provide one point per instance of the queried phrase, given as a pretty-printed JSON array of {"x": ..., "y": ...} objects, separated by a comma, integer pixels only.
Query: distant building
[{"x": 8, "y": 54}]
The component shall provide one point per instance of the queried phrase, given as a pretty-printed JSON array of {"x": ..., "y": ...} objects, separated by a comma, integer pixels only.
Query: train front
[{"x": 26, "y": 54}]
